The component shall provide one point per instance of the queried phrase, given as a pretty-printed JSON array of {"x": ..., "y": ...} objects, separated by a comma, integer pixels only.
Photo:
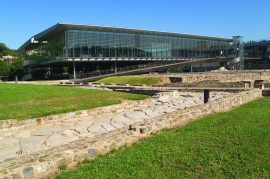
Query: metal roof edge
[
  {"x": 39, "y": 35},
  {"x": 66, "y": 26},
  {"x": 145, "y": 30}
]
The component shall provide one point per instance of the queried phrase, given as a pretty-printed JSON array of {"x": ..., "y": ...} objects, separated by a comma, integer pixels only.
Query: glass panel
[{"x": 133, "y": 44}]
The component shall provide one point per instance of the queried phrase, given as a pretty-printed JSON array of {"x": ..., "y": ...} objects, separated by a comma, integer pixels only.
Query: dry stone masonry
[
  {"x": 225, "y": 76},
  {"x": 39, "y": 147},
  {"x": 229, "y": 76}
]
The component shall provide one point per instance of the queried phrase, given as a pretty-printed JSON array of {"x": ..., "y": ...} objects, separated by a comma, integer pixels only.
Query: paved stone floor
[{"x": 15, "y": 143}]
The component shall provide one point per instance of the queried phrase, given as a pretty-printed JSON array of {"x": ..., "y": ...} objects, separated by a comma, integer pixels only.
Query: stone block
[
  {"x": 41, "y": 169},
  {"x": 119, "y": 142},
  {"x": 136, "y": 115},
  {"x": 92, "y": 153},
  {"x": 3, "y": 171},
  {"x": 51, "y": 165},
  {"x": 77, "y": 158},
  {"x": 2, "y": 122},
  {"x": 28, "y": 172}
]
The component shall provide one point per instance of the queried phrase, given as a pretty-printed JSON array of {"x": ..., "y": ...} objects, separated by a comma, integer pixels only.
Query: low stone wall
[
  {"x": 20, "y": 124},
  {"x": 211, "y": 84},
  {"x": 49, "y": 162},
  {"x": 229, "y": 76}
]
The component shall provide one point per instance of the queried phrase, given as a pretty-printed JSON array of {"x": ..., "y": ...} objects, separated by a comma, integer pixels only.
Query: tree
[
  {"x": 16, "y": 65},
  {"x": 4, "y": 50},
  {"x": 8, "y": 68},
  {"x": 3, "y": 47},
  {"x": 4, "y": 69}
]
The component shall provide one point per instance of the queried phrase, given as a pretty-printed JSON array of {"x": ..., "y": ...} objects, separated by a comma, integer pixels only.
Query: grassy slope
[
  {"x": 226, "y": 145},
  {"x": 26, "y": 101},
  {"x": 132, "y": 80}
]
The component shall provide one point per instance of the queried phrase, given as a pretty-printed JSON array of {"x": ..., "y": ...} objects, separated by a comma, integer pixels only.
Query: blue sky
[{"x": 21, "y": 19}]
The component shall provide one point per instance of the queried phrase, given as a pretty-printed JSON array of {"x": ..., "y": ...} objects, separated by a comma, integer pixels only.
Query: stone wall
[
  {"x": 226, "y": 76},
  {"x": 49, "y": 162},
  {"x": 211, "y": 84},
  {"x": 19, "y": 124}
]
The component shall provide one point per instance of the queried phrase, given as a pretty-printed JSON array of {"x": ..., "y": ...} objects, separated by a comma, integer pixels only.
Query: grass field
[
  {"x": 234, "y": 144},
  {"x": 21, "y": 101},
  {"x": 132, "y": 80}
]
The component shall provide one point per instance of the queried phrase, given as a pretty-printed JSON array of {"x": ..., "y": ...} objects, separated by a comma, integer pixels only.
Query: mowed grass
[
  {"x": 23, "y": 101},
  {"x": 132, "y": 80},
  {"x": 234, "y": 144}
]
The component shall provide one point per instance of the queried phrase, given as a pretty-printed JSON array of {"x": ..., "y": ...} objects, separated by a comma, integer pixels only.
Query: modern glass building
[
  {"x": 65, "y": 41},
  {"x": 257, "y": 54},
  {"x": 63, "y": 45}
]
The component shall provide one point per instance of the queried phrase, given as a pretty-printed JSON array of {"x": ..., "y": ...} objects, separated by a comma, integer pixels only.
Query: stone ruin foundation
[{"x": 38, "y": 147}]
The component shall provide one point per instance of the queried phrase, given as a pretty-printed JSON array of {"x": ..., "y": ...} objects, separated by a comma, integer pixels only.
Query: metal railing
[
  {"x": 139, "y": 68},
  {"x": 117, "y": 70}
]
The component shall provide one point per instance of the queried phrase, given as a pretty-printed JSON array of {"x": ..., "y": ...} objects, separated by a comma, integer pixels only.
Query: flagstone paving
[{"x": 23, "y": 142}]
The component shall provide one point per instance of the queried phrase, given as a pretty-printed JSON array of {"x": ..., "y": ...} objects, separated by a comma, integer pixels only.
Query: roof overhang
[{"x": 62, "y": 27}]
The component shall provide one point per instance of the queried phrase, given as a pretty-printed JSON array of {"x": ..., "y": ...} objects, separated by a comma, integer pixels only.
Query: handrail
[
  {"x": 149, "y": 67},
  {"x": 122, "y": 69}
]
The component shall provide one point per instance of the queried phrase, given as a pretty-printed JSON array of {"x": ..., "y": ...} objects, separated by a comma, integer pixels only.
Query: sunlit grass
[
  {"x": 227, "y": 145},
  {"x": 22, "y": 101}
]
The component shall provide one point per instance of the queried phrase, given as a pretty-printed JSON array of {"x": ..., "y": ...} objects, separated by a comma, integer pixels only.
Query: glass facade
[
  {"x": 76, "y": 41},
  {"x": 46, "y": 49},
  {"x": 257, "y": 54},
  {"x": 89, "y": 44},
  {"x": 259, "y": 49}
]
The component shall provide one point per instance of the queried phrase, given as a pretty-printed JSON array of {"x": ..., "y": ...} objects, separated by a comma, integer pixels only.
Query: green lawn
[
  {"x": 234, "y": 144},
  {"x": 21, "y": 101},
  {"x": 132, "y": 80}
]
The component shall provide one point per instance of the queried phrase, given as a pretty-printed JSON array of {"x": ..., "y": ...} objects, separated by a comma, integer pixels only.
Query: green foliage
[
  {"x": 4, "y": 68},
  {"x": 4, "y": 50},
  {"x": 21, "y": 101},
  {"x": 132, "y": 80},
  {"x": 8, "y": 68},
  {"x": 227, "y": 145},
  {"x": 16, "y": 65}
]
